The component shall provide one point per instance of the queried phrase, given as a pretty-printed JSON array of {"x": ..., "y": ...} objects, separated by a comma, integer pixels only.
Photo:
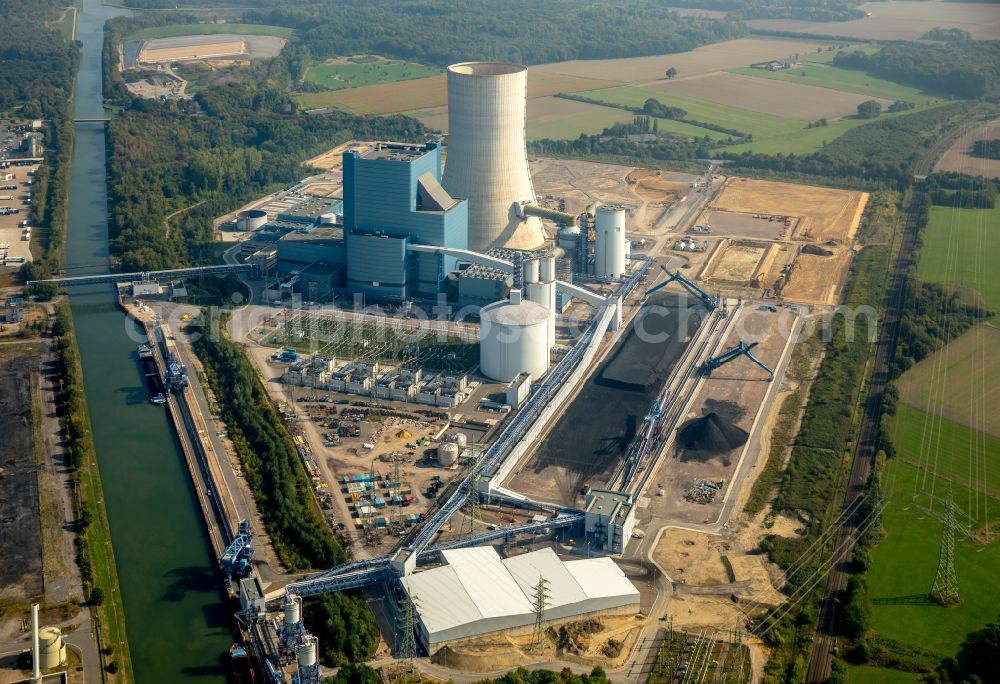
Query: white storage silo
[
  {"x": 459, "y": 438},
  {"x": 542, "y": 291},
  {"x": 305, "y": 653},
  {"x": 251, "y": 220},
  {"x": 513, "y": 339},
  {"x": 487, "y": 163},
  {"x": 610, "y": 245},
  {"x": 52, "y": 648},
  {"x": 293, "y": 611},
  {"x": 448, "y": 454}
]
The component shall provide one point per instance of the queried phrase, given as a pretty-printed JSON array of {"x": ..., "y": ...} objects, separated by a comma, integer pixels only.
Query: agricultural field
[
  {"x": 703, "y": 60},
  {"x": 905, "y": 561},
  {"x": 880, "y": 675},
  {"x": 843, "y": 80},
  {"x": 899, "y": 20},
  {"x": 972, "y": 361},
  {"x": 959, "y": 157},
  {"x": 176, "y": 30},
  {"x": 793, "y": 100},
  {"x": 959, "y": 249},
  {"x": 345, "y": 73},
  {"x": 758, "y": 125},
  {"x": 426, "y": 93}
]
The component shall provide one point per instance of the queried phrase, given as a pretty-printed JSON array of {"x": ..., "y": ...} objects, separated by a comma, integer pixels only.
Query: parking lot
[{"x": 16, "y": 181}]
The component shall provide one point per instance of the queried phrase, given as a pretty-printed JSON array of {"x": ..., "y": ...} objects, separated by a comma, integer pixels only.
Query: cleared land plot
[
  {"x": 817, "y": 279},
  {"x": 900, "y": 20},
  {"x": 425, "y": 93},
  {"x": 203, "y": 29},
  {"x": 959, "y": 156},
  {"x": 702, "y": 60},
  {"x": 904, "y": 564},
  {"x": 731, "y": 224},
  {"x": 580, "y": 183},
  {"x": 755, "y": 123},
  {"x": 777, "y": 98},
  {"x": 206, "y": 47},
  {"x": 588, "y": 441},
  {"x": 844, "y": 80},
  {"x": 971, "y": 362},
  {"x": 960, "y": 248},
  {"x": 339, "y": 74},
  {"x": 946, "y": 451},
  {"x": 737, "y": 262},
  {"x": 827, "y": 214},
  {"x": 20, "y": 534}
]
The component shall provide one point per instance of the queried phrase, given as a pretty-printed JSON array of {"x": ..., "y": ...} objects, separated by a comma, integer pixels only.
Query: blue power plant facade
[{"x": 393, "y": 197}]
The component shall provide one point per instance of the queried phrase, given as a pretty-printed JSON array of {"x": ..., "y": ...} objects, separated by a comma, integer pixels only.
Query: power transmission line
[{"x": 945, "y": 589}]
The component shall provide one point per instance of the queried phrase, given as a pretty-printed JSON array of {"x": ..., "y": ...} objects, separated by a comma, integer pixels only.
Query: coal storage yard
[
  {"x": 591, "y": 437},
  {"x": 708, "y": 436}
]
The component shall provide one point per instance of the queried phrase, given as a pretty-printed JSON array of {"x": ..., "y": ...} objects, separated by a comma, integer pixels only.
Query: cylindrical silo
[
  {"x": 459, "y": 438},
  {"x": 513, "y": 339},
  {"x": 293, "y": 611},
  {"x": 487, "y": 163},
  {"x": 251, "y": 220},
  {"x": 305, "y": 653},
  {"x": 448, "y": 453},
  {"x": 609, "y": 249},
  {"x": 531, "y": 271},
  {"x": 52, "y": 648},
  {"x": 543, "y": 292}
]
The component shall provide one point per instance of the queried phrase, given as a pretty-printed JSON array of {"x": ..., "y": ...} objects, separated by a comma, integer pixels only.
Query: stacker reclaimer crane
[
  {"x": 741, "y": 349},
  {"x": 710, "y": 302}
]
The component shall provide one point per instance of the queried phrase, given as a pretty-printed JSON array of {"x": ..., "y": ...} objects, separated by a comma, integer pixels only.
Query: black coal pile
[
  {"x": 818, "y": 251},
  {"x": 711, "y": 433}
]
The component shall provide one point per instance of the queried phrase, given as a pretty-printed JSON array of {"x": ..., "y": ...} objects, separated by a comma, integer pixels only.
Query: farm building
[{"x": 477, "y": 593}]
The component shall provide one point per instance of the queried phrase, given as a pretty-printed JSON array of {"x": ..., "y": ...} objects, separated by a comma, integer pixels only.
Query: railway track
[{"x": 864, "y": 447}]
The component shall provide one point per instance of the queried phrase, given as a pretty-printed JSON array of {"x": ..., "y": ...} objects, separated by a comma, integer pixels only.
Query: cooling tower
[{"x": 486, "y": 163}]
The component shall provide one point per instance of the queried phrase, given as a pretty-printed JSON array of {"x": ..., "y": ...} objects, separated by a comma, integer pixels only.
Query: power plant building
[
  {"x": 477, "y": 593},
  {"x": 393, "y": 197},
  {"x": 487, "y": 158}
]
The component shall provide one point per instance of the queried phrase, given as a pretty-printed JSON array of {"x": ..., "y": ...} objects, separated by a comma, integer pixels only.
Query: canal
[{"x": 178, "y": 626}]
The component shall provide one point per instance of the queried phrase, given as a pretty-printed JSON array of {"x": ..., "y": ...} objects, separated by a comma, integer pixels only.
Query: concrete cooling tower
[{"x": 487, "y": 164}]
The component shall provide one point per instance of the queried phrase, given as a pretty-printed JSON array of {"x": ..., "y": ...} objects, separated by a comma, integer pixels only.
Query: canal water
[{"x": 176, "y": 619}]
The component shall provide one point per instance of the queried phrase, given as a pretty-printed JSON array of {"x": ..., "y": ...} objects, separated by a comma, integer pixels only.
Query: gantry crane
[
  {"x": 741, "y": 349},
  {"x": 711, "y": 303}
]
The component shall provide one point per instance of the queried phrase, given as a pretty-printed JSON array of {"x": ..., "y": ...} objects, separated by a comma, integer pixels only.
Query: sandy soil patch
[
  {"x": 828, "y": 214},
  {"x": 900, "y": 20},
  {"x": 651, "y": 185},
  {"x": 702, "y": 60},
  {"x": 817, "y": 279},
  {"x": 959, "y": 157},
  {"x": 778, "y": 98},
  {"x": 581, "y": 183}
]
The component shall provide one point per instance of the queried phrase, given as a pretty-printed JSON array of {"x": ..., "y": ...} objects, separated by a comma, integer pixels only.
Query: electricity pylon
[
  {"x": 408, "y": 648},
  {"x": 541, "y": 599},
  {"x": 945, "y": 589},
  {"x": 471, "y": 511}
]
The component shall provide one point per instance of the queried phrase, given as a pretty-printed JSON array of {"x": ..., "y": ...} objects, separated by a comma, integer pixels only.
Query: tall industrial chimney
[
  {"x": 36, "y": 652},
  {"x": 486, "y": 159}
]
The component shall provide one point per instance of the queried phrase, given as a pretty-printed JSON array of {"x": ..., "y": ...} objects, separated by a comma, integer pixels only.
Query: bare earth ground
[
  {"x": 333, "y": 158},
  {"x": 778, "y": 98},
  {"x": 817, "y": 279},
  {"x": 735, "y": 392},
  {"x": 964, "y": 358},
  {"x": 738, "y": 262},
  {"x": 959, "y": 157},
  {"x": 828, "y": 214},
  {"x": 190, "y": 47},
  {"x": 900, "y": 20},
  {"x": 581, "y": 183},
  {"x": 702, "y": 60}
]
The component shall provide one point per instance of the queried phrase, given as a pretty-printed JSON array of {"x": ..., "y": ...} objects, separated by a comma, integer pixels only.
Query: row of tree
[{"x": 806, "y": 10}]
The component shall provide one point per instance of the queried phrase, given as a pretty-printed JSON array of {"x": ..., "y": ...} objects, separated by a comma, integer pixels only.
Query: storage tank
[
  {"x": 305, "y": 653},
  {"x": 251, "y": 220},
  {"x": 530, "y": 270},
  {"x": 448, "y": 453},
  {"x": 543, "y": 292},
  {"x": 609, "y": 249},
  {"x": 459, "y": 438},
  {"x": 293, "y": 611},
  {"x": 52, "y": 648},
  {"x": 513, "y": 339},
  {"x": 487, "y": 163}
]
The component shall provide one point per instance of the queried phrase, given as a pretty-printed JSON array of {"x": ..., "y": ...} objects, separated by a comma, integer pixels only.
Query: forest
[
  {"x": 986, "y": 149},
  {"x": 807, "y": 10},
  {"x": 520, "y": 31},
  {"x": 966, "y": 69}
]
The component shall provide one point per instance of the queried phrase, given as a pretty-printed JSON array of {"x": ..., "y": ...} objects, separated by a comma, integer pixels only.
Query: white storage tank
[
  {"x": 251, "y": 220},
  {"x": 305, "y": 653},
  {"x": 52, "y": 648},
  {"x": 448, "y": 453},
  {"x": 459, "y": 438},
  {"x": 293, "y": 611},
  {"x": 513, "y": 339},
  {"x": 610, "y": 247}
]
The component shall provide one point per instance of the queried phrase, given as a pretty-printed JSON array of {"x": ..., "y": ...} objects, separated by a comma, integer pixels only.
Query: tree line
[
  {"x": 806, "y": 10},
  {"x": 965, "y": 69}
]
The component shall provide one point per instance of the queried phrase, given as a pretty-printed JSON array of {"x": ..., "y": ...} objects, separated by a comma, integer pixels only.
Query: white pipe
[{"x": 36, "y": 651}]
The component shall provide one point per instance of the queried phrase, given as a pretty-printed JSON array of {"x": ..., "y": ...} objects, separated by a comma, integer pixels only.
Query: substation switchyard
[{"x": 504, "y": 474}]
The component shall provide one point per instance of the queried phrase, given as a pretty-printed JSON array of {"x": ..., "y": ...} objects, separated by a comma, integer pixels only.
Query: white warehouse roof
[{"x": 478, "y": 593}]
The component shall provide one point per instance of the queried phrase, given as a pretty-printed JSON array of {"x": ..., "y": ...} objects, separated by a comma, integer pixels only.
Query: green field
[
  {"x": 757, "y": 124},
  {"x": 175, "y": 30},
  {"x": 880, "y": 675},
  {"x": 596, "y": 118},
  {"x": 846, "y": 80},
  {"x": 946, "y": 448},
  {"x": 904, "y": 565},
  {"x": 336, "y": 76},
  {"x": 826, "y": 56},
  {"x": 971, "y": 233}
]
